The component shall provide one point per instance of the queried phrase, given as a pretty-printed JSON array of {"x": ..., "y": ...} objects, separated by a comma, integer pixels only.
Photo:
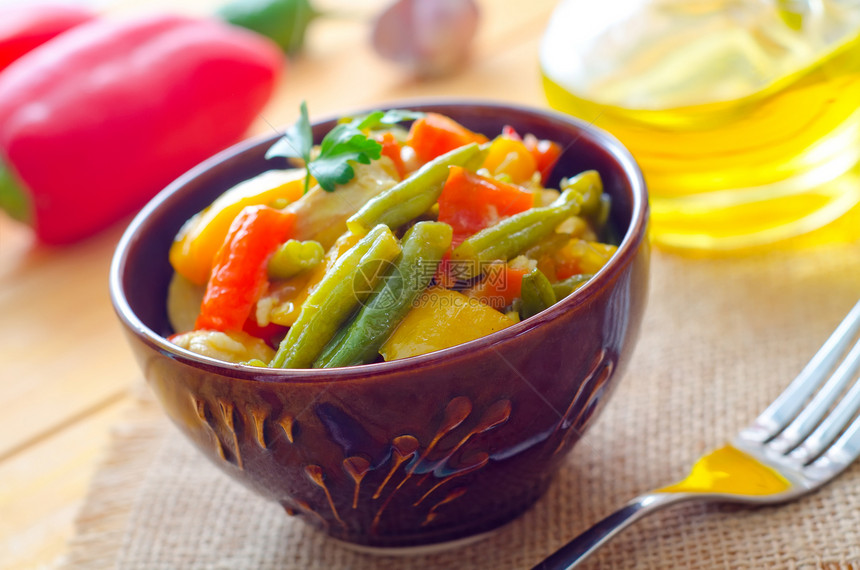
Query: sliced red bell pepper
[
  {"x": 102, "y": 117},
  {"x": 271, "y": 334},
  {"x": 27, "y": 26},
  {"x": 470, "y": 202},
  {"x": 545, "y": 152},
  {"x": 510, "y": 132},
  {"x": 239, "y": 275},
  {"x": 499, "y": 287},
  {"x": 391, "y": 148},
  {"x": 435, "y": 134}
]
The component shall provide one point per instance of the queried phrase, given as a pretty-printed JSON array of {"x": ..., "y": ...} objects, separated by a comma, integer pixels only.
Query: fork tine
[
  {"x": 814, "y": 413},
  {"x": 788, "y": 404},
  {"x": 840, "y": 455},
  {"x": 833, "y": 425}
]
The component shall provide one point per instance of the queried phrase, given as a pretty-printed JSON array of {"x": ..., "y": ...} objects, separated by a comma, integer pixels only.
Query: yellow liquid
[
  {"x": 780, "y": 161},
  {"x": 728, "y": 470}
]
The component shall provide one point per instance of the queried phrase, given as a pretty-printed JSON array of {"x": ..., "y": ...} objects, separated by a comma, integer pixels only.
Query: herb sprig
[{"x": 344, "y": 144}]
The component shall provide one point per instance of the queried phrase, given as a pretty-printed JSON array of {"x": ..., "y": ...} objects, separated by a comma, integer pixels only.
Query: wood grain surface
[{"x": 66, "y": 374}]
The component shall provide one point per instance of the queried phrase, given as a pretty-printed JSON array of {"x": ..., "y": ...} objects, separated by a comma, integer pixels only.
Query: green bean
[
  {"x": 416, "y": 194},
  {"x": 588, "y": 189},
  {"x": 294, "y": 256},
  {"x": 601, "y": 217},
  {"x": 564, "y": 288},
  {"x": 537, "y": 293},
  {"x": 424, "y": 244},
  {"x": 594, "y": 203},
  {"x": 511, "y": 236},
  {"x": 548, "y": 246},
  {"x": 330, "y": 303}
]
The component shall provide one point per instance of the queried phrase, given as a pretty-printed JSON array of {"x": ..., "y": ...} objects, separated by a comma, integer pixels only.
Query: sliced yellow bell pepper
[
  {"x": 510, "y": 156},
  {"x": 196, "y": 244},
  {"x": 442, "y": 318},
  {"x": 578, "y": 256}
]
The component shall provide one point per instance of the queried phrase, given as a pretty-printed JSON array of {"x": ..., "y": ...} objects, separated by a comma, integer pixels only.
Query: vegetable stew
[{"x": 399, "y": 234}]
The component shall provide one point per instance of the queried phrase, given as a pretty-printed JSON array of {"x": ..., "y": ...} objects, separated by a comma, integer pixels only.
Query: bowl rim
[{"x": 634, "y": 236}]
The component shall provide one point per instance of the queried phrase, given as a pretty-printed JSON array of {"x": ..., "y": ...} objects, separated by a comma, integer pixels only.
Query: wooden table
[{"x": 66, "y": 374}]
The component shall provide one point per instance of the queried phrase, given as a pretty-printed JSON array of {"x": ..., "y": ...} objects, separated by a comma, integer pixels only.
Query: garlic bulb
[{"x": 428, "y": 37}]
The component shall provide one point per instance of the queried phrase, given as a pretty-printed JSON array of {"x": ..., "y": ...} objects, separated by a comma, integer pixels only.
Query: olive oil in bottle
[{"x": 743, "y": 114}]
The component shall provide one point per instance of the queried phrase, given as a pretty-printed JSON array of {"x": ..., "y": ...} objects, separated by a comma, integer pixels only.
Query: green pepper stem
[
  {"x": 283, "y": 21},
  {"x": 13, "y": 197}
]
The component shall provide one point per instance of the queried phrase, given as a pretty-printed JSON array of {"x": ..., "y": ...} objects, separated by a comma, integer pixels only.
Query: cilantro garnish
[{"x": 344, "y": 144}]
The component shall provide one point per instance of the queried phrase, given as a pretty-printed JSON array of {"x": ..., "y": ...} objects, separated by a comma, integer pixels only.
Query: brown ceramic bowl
[{"x": 419, "y": 451}]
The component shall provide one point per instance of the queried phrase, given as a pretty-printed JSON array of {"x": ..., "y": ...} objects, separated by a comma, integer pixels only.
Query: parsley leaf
[
  {"x": 344, "y": 144},
  {"x": 377, "y": 119},
  {"x": 297, "y": 142}
]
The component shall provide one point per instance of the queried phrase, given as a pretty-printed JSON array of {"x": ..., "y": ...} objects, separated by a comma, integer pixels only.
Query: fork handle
[{"x": 577, "y": 550}]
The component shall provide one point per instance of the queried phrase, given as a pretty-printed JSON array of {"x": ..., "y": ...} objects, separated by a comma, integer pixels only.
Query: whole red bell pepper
[
  {"x": 26, "y": 26},
  {"x": 102, "y": 117}
]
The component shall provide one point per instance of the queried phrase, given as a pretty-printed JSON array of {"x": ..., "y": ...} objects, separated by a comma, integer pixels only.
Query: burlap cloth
[{"x": 720, "y": 339}]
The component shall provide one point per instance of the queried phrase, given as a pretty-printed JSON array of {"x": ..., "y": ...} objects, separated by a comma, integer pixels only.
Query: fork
[{"x": 803, "y": 440}]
